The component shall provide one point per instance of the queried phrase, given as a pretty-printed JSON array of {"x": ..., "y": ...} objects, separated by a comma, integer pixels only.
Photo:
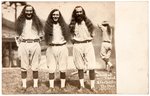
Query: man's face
[
  {"x": 79, "y": 15},
  {"x": 79, "y": 11},
  {"x": 55, "y": 16},
  {"x": 29, "y": 12}
]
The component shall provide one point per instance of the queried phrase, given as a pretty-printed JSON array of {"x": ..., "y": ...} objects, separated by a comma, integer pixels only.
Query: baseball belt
[
  {"x": 30, "y": 40},
  {"x": 86, "y": 41},
  {"x": 57, "y": 44},
  {"x": 107, "y": 41}
]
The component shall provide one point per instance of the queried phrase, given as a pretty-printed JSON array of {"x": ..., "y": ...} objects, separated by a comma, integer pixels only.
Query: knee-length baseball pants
[
  {"x": 84, "y": 56},
  {"x": 57, "y": 58},
  {"x": 106, "y": 50},
  {"x": 30, "y": 55}
]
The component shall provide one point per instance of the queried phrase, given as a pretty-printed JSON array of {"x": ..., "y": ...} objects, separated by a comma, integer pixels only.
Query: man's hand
[
  {"x": 41, "y": 38},
  {"x": 18, "y": 40}
]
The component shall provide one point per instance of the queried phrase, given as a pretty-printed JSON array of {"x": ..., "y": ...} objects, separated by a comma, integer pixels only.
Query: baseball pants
[
  {"x": 30, "y": 55},
  {"x": 57, "y": 58},
  {"x": 84, "y": 56},
  {"x": 106, "y": 50}
]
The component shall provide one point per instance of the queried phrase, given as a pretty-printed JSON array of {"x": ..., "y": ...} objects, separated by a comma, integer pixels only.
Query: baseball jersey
[
  {"x": 57, "y": 35},
  {"x": 29, "y": 53},
  {"x": 106, "y": 35},
  {"x": 57, "y": 55},
  {"x": 83, "y": 53},
  {"x": 81, "y": 32},
  {"x": 29, "y": 32}
]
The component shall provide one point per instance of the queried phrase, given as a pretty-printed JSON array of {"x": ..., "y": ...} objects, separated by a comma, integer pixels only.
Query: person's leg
[
  {"x": 63, "y": 79},
  {"x": 91, "y": 63},
  {"x": 35, "y": 53},
  {"x": 92, "y": 78},
  {"x": 79, "y": 62},
  {"x": 24, "y": 78},
  {"x": 105, "y": 54},
  {"x": 35, "y": 78},
  {"x": 109, "y": 65},
  {"x": 107, "y": 57},
  {"x": 24, "y": 57},
  {"x": 81, "y": 77},
  {"x": 51, "y": 64},
  {"x": 103, "y": 51},
  {"x": 51, "y": 80},
  {"x": 63, "y": 60}
]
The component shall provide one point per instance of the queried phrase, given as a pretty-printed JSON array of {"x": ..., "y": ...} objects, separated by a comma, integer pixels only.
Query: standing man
[
  {"x": 29, "y": 29},
  {"x": 56, "y": 37},
  {"x": 106, "y": 44},
  {"x": 84, "y": 56}
]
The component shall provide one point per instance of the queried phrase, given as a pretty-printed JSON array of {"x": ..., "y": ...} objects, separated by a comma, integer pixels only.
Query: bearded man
[
  {"x": 29, "y": 29},
  {"x": 56, "y": 37},
  {"x": 83, "y": 52}
]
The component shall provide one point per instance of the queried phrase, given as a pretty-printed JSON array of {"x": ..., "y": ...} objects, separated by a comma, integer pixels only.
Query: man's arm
[
  {"x": 18, "y": 40},
  {"x": 100, "y": 27}
]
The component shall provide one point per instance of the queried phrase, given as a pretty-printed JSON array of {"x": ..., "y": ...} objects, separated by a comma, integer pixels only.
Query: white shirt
[
  {"x": 57, "y": 35},
  {"x": 81, "y": 32},
  {"x": 106, "y": 36},
  {"x": 28, "y": 31}
]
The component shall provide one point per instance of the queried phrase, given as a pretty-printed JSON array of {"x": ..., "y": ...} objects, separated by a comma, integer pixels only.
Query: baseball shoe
[
  {"x": 94, "y": 90},
  {"x": 22, "y": 90},
  {"x": 63, "y": 89},
  {"x": 35, "y": 89},
  {"x": 50, "y": 90},
  {"x": 81, "y": 89}
]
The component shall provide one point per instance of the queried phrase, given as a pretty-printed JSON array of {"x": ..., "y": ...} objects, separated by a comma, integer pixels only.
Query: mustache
[
  {"x": 29, "y": 15},
  {"x": 80, "y": 18}
]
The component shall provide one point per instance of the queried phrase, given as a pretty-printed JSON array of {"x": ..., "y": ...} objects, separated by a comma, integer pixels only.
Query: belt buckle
[
  {"x": 87, "y": 41},
  {"x": 35, "y": 40}
]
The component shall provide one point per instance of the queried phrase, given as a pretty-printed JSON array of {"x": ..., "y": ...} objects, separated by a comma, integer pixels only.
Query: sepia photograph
[
  {"x": 60, "y": 47},
  {"x": 74, "y": 47}
]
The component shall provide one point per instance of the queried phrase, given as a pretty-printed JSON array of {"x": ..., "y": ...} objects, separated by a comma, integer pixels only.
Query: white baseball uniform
[
  {"x": 57, "y": 52},
  {"x": 106, "y": 43},
  {"x": 29, "y": 49},
  {"x": 83, "y": 50}
]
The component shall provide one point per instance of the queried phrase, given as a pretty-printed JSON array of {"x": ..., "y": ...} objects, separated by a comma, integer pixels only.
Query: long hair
[
  {"x": 21, "y": 21},
  {"x": 48, "y": 29},
  {"x": 74, "y": 21}
]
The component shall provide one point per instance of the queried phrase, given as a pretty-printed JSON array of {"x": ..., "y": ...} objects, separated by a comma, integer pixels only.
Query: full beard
[{"x": 79, "y": 19}]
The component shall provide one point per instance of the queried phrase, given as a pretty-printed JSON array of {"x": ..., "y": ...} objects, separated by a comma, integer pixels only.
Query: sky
[{"x": 96, "y": 11}]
